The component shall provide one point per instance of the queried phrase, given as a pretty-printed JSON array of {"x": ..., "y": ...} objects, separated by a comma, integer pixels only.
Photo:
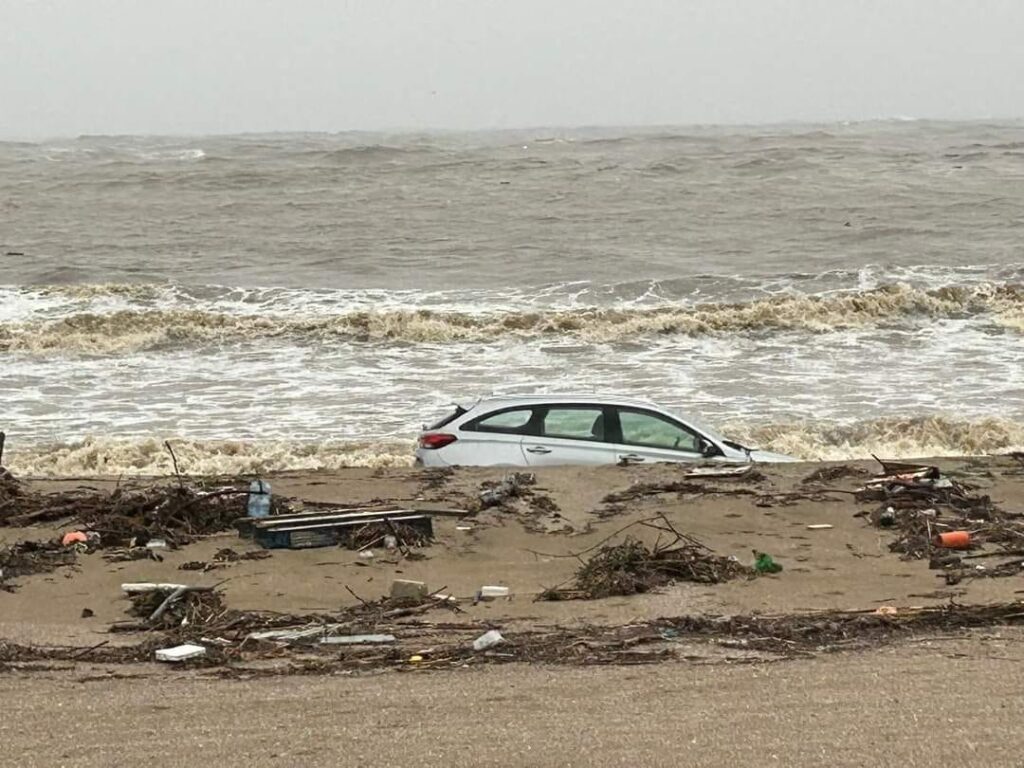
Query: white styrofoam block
[
  {"x": 180, "y": 653},
  {"x": 491, "y": 592}
]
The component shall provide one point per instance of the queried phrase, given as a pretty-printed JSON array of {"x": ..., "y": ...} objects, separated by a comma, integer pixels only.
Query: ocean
[{"x": 293, "y": 301}]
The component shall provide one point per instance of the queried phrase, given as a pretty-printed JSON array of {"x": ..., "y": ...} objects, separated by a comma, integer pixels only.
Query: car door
[
  {"x": 494, "y": 438},
  {"x": 569, "y": 434},
  {"x": 645, "y": 436}
]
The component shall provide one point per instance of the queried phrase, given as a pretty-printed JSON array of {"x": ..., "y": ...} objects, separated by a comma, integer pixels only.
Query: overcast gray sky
[{"x": 210, "y": 66}]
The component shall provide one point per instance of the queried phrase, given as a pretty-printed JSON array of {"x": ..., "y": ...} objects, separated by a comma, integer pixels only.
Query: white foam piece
[
  {"x": 145, "y": 586},
  {"x": 493, "y": 592},
  {"x": 357, "y": 639},
  {"x": 180, "y": 653}
]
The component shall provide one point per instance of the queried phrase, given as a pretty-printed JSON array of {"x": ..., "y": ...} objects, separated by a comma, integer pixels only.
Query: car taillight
[{"x": 437, "y": 440}]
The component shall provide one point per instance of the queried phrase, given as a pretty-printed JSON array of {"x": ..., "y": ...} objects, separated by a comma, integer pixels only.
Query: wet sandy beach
[{"x": 704, "y": 703}]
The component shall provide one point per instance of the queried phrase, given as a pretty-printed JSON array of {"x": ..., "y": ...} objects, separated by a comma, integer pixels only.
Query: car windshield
[{"x": 700, "y": 426}]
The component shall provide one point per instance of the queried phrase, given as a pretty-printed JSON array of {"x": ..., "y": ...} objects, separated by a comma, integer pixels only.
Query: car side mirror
[{"x": 707, "y": 448}]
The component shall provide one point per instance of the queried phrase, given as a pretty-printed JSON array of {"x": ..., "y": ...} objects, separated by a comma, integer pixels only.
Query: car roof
[
  {"x": 572, "y": 397},
  {"x": 504, "y": 401}
]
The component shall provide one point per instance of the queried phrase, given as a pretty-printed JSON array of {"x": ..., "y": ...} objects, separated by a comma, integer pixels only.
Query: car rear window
[{"x": 447, "y": 419}]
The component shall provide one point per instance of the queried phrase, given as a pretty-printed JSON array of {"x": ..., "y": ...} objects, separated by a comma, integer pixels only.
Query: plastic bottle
[{"x": 259, "y": 499}]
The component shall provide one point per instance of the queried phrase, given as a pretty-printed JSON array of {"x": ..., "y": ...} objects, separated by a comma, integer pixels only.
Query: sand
[
  {"x": 875, "y": 707},
  {"x": 944, "y": 702}
]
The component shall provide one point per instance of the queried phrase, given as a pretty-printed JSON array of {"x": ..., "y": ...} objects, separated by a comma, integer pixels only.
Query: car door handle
[
  {"x": 631, "y": 458},
  {"x": 538, "y": 449}
]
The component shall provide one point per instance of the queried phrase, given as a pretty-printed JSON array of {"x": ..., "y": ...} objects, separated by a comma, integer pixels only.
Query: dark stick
[
  {"x": 398, "y": 539},
  {"x": 174, "y": 460},
  {"x": 357, "y": 597},
  {"x": 595, "y": 546},
  {"x": 87, "y": 651},
  {"x": 3, "y": 438},
  {"x": 177, "y": 593}
]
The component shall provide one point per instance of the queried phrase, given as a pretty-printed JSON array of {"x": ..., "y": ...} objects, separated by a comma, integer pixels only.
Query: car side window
[
  {"x": 513, "y": 422},
  {"x": 575, "y": 423},
  {"x": 652, "y": 431}
]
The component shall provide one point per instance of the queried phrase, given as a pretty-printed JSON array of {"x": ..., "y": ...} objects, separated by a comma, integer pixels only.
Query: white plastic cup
[{"x": 487, "y": 640}]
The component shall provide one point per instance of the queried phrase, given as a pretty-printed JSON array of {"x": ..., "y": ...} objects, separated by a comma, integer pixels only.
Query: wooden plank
[
  {"x": 335, "y": 511},
  {"x": 264, "y": 523},
  {"x": 342, "y": 524}
]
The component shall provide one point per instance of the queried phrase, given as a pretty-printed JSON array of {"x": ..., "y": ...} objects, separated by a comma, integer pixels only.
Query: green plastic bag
[{"x": 765, "y": 564}]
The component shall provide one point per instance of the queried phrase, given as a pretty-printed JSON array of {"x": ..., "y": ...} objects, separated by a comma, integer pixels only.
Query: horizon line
[{"x": 629, "y": 127}]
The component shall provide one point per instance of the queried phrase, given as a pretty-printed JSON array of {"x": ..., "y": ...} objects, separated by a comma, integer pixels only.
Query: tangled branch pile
[
  {"x": 177, "y": 513},
  {"x": 372, "y": 534},
  {"x": 197, "y": 608},
  {"x": 28, "y": 557},
  {"x": 631, "y": 567}
]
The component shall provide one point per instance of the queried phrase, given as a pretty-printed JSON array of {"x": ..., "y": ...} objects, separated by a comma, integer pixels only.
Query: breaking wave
[
  {"x": 132, "y": 330},
  {"x": 892, "y": 438},
  {"x": 142, "y": 291},
  {"x": 101, "y": 456},
  {"x": 915, "y": 437}
]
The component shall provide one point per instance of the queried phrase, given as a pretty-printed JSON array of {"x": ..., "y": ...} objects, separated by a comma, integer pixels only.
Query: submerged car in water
[{"x": 541, "y": 431}]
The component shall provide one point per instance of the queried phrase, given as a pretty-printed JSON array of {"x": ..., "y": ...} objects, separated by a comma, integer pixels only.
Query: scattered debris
[
  {"x": 230, "y": 646},
  {"x": 372, "y": 534},
  {"x": 512, "y": 486},
  {"x": 746, "y": 471},
  {"x": 689, "y": 487},
  {"x": 223, "y": 558},
  {"x": 199, "y": 565},
  {"x": 435, "y": 478},
  {"x": 128, "y": 554},
  {"x": 31, "y": 557},
  {"x": 518, "y": 493},
  {"x": 640, "y": 490},
  {"x": 831, "y": 474},
  {"x": 931, "y": 512}
]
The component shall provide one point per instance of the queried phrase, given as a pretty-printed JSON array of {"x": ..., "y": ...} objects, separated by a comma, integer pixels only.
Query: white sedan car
[{"x": 584, "y": 429}]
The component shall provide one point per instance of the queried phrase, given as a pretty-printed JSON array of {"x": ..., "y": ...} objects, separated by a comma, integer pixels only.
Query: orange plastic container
[
  {"x": 73, "y": 538},
  {"x": 954, "y": 540}
]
